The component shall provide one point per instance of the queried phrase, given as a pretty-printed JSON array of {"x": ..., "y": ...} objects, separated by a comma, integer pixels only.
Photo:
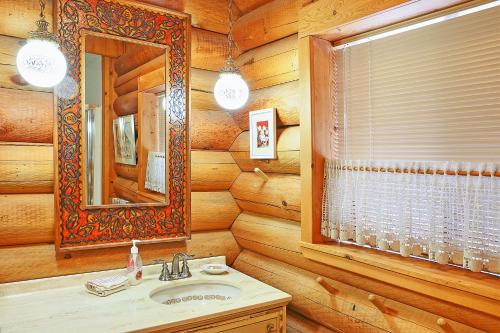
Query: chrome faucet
[{"x": 184, "y": 273}]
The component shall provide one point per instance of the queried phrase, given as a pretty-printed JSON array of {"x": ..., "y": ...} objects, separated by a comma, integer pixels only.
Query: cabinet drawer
[{"x": 266, "y": 326}]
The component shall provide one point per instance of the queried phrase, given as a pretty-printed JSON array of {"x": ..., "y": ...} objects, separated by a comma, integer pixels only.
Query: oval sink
[{"x": 196, "y": 293}]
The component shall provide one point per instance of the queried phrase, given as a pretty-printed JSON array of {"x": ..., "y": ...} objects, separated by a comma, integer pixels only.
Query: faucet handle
[
  {"x": 165, "y": 274},
  {"x": 185, "y": 268}
]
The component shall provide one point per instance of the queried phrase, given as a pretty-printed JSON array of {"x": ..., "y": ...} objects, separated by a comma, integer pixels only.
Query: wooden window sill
[{"x": 477, "y": 291}]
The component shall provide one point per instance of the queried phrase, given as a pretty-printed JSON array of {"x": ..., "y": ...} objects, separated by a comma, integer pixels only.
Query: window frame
[{"x": 454, "y": 285}]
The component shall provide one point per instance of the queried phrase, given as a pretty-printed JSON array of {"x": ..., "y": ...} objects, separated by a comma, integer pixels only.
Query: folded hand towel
[{"x": 107, "y": 285}]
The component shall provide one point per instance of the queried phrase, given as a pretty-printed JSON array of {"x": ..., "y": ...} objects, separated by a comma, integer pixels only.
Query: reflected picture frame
[
  {"x": 262, "y": 126},
  {"x": 124, "y": 140}
]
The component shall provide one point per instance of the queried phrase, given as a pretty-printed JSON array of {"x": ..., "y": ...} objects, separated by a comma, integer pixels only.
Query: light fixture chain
[
  {"x": 230, "y": 32},
  {"x": 42, "y": 9}
]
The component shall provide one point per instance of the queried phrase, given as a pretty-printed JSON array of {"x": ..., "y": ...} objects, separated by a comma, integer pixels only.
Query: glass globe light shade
[
  {"x": 231, "y": 91},
  {"x": 41, "y": 63}
]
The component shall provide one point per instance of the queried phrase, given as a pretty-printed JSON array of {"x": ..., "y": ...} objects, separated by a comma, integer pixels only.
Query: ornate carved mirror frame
[{"x": 77, "y": 226}]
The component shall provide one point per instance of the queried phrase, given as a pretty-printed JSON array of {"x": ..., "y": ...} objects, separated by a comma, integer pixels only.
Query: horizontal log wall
[
  {"x": 348, "y": 309},
  {"x": 268, "y": 229},
  {"x": 288, "y": 151},
  {"x": 279, "y": 239},
  {"x": 36, "y": 261},
  {"x": 27, "y": 159}
]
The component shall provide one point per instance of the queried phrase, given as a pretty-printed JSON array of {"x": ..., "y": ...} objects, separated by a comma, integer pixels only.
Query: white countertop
[{"x": 62, "y": 304}]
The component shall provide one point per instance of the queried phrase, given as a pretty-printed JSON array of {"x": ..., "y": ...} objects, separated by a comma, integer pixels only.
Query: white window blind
[{"x": 407, "y": 106}]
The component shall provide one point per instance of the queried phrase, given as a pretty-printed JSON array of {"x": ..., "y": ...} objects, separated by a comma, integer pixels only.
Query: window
[{"x": 417, "y": 167}]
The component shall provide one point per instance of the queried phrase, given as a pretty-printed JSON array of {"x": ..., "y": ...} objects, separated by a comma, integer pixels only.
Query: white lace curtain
[
  {"x": 155, "y": 172},
  {"x": 450, "y": 219}
]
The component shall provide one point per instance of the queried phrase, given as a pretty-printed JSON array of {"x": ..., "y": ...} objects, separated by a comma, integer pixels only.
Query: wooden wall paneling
[
  {"x": 203, "y": 80},
  {"x": 169, "y": 4},
  {"x": 278, "y": 240},
  {"x": 126, "y": 171},
  {"x": 18, "y": 262},
  {"x": 209, "y": 50},
  {"x": 148, "y": 129},
  {"x": 209, "y": 210},
  {"x": 212, "y": 210},
  {"x": 267, "y": 23},
  {"x": 215, "y": 130},
  {"x": 108, "y": 171},
  {"x": 279, "y": 196},
  {"x": 135, "y": 55},
  {"x": 126, "y": 104},
  {"x": 107, "y": 47},
  {"x": 270, "y": 64},
  {"x": 296, "y": 323},
  {"x": 203, "y": 101},
  {"x": 17, "y": 17},
  {"x": 284, "y": 97},
  {"x": 246, "y": 6},
  {"x": 9, "y": 77},
  {"x": 26, "y": 116},
  {"x": 26, "y": 219},
  {"x": 145, "y": 68},
  {"x": 210, "y": 14},
  {"x": 334, "y": 20},
  {"x": 205, "y": 14},
  {"x": 268, "y": 230},
  {"x": 129, "y": 190},
  {"x": 317, "y": 126},
  {"x": 212, "y": 170},
  {"x": 347, "y": 310},
  {"x": 288, "y": 150},
  {"x": 26, "y": 168}
]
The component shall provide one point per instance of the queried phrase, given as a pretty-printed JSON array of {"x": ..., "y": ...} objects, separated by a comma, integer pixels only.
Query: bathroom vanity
[{"x": 231, "y": 302}]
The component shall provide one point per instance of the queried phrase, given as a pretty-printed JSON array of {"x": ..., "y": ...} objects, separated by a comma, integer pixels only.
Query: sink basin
[{"x": 197, "y": 293}]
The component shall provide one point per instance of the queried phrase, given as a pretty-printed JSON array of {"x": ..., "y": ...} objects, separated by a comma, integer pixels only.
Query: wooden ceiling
[{"x": 210, "y": 14}]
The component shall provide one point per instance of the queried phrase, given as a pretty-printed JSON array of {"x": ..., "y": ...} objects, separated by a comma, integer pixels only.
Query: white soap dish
[{"x": 215, "y": 268}]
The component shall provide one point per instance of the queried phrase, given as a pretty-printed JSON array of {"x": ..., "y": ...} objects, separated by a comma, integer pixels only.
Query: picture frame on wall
[
  {"x": 124, "y": 140},
  {"x": 262, "y": 134}
]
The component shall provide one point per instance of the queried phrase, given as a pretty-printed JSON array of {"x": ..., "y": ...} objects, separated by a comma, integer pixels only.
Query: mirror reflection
[{"x": 125, "y": 121}]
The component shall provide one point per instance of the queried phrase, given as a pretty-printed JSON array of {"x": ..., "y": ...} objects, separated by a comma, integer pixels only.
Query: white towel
[{"x": 107, "y": 285}]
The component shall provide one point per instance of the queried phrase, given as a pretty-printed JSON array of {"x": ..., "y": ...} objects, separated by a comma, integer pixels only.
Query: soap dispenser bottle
[{"x": 134, "y": 266}]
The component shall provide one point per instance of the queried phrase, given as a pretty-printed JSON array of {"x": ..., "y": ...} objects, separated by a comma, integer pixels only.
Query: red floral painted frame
[{"x": 78, "y": 228}]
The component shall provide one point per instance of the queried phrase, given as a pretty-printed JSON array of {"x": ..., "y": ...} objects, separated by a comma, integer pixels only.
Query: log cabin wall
[
  {"x": 27, "y": 158},
  {"x": 325, "y": 298}
]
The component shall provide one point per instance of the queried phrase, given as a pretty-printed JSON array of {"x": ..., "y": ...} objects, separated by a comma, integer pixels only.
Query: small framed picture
[
  {"x": 124, "y": 140},
  {"x": 263, "y": 134}
]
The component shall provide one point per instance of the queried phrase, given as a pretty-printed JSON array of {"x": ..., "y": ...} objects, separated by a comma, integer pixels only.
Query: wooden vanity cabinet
[{"x": 267, "y": 321}]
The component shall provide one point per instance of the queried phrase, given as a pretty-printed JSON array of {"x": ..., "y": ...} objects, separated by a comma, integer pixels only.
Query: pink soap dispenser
[{"x": 134, "y": 265}]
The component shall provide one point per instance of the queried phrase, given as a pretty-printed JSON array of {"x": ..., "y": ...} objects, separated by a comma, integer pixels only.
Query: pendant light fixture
[
  {"x": 231, "y": 91},
  {"x": 39, "y": 61}
]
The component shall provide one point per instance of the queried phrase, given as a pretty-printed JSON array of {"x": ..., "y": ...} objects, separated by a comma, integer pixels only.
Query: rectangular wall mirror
[
  {"x": 126, "y": 155},
  {"x": 122, "y": 125}
]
